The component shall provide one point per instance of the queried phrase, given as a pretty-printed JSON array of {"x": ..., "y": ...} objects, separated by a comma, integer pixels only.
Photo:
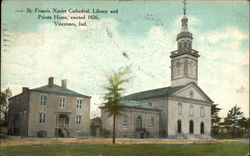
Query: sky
[{"x": 34, "y": 49}]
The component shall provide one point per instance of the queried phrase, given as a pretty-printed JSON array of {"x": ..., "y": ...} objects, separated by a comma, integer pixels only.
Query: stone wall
[
  {"x": 52, "y": 110},
  {"x": 129, "y": 131},
  {"x": 185, "y": 117},
  {"x": 18, "y": 114}
]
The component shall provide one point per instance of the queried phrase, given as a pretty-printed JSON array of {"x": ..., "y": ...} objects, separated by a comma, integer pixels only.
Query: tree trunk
[
  {"x": 233, "y": 133},
  {"x": 113, "y": 129}
]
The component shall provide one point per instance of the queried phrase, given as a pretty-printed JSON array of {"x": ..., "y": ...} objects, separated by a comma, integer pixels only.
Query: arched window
[
  {"x": 179, "y": 126},
  {"x": 202, "y": 112},
  {"x": 138, "y": 122},
  {"x": 152, "y": 122},
  {"x": 191, "y": 110},
  {"x": 125, "y": 121},
  {"x": 179, "y": 108},
  {"x": 179, "y": 45},
  {"x": 202, "y": 128},
  {"x": 191, "y": 126},
  {"x": 178, "y": 66}
]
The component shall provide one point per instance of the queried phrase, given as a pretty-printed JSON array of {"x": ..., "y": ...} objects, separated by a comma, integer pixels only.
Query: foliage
[
  {"x": 215, "y": 119},
  {"x": 4, "y": 105},
  {"x": 233, "y": 116},
  {"x": 106, "y": 133},
  {"x": 232, "y": 119},
  {"x": 244, "y": 123},
  {"x": 228, "y": 149},
  {"x": 214, "y": 113},
  {"x": 114, "y": 90},
  {"x": 93, "y": 129}
]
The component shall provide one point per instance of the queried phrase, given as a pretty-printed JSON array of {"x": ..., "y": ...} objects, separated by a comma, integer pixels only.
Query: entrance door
[
  {"x": 191, "y": 126},
  {"x": 179, "y": 126},
  {"x": 63, "y": 120},
  {"x": 202, "y": 128},
  {"x": 142, "y": 135}
]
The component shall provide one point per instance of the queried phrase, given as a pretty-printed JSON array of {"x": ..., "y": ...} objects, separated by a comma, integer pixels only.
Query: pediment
[{"x": 192, "y": 91}]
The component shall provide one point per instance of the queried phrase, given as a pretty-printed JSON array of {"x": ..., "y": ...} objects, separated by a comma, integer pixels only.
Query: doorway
[
  {"x": 191, "y": 127},
  {"x": 202, "y": 128}
]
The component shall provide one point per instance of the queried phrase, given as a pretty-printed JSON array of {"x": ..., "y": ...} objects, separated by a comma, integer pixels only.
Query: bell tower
[{"x": 184, "y": 60}]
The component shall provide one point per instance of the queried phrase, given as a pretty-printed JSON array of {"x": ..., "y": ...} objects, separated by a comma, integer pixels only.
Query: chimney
[
  {"x": 64, "y": 84},
  {"x": 51, "y": 81},
  {"x": 25, "y": 89}
]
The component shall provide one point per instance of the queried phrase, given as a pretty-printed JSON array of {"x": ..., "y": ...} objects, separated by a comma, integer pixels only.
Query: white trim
[
  {"x": 65, "y": 102},
  {"x": 42, "y": 118},
  {"x": 81, "y": 105},
  {"x": 195, "y": 88},
  {"x": 46, "y": 95}
]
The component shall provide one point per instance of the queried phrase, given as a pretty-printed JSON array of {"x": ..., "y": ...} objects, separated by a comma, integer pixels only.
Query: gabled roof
[
  {"x": 155, "y": 93},
  {"x": 162, "y": 92},
  {"x": 57, "y": 89}
]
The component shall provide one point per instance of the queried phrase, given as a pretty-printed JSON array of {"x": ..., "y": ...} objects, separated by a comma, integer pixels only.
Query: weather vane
[{"x": 184, "y": 8}]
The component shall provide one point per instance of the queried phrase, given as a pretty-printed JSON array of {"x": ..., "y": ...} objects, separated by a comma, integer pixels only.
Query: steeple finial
[{"x": 184, "y": 8}]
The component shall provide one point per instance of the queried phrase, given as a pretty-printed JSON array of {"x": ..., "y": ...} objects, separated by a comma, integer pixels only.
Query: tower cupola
[{"x": 184, "y": 60}]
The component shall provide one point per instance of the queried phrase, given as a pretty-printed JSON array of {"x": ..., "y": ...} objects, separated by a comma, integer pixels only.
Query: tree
[
  {"x": 233, "y": 117},
  {"x": 214, "y": 114},
  {"x": 4, "y": 105},
  {"x": 113, "y": 96},
  {"x": 215, "y": 119}
]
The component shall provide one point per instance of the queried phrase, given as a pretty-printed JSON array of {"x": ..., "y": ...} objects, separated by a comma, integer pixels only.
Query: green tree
[
  {"x": 243, "y": 122},
  {"x": 215, "y": 119},
  {"x": 4, "y": 105},
  {"x": 113, "y": 95},
  {"x": 233, "y": 117}
]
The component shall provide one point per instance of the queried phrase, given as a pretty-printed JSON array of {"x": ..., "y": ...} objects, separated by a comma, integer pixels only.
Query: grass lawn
[{"x": 219, "y": 149}]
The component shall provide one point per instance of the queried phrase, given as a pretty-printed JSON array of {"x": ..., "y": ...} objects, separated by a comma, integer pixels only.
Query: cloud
[
  {"x": 225, "y": 34},
  {"x": 85, "y": 55}
]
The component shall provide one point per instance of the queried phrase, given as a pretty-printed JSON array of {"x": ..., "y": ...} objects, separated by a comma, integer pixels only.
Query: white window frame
[
  {"x": 79, "y": 105},
  {"x": 78, "y": 119},
  {"x": 42, "y": 117},
  {"x": 125, "y": 121},
  {"x": 62, "y": 104},
  {"x": 43, "y": 101},
  {"x": 152, "y": 122}
]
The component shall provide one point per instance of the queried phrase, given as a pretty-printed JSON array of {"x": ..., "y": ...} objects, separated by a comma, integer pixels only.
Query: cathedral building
[{"x": 182, "y": 110}]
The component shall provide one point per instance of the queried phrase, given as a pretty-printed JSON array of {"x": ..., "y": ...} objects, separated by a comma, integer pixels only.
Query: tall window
[
  {"x": 152, "y": 122},
  {"x": 78, "y": 119},
  {"x": 62, "y": 101},
  {"x": 79, "y": 103},
  {"x": 191, "y": 110},
  {"x": 138, "y": 122},
  {"x": 179, "y": 126},
  {"x": 202, "y": 128},
  {"x": 41, "y": 117},
  {"x": 178, "y": 65},
  {"x": 202, "y": 113},
  {"x": 191, "y": 126},
  {"x": 43, "y": 100},
  {"x": 125, "y": 121},
  {"x": 179, "y": 108}
]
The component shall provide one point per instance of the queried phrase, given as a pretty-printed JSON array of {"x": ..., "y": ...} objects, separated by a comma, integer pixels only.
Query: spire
[
  {"x": 184, "y": 20},
  {"x": 184, "y": 8},
  {"x": 184, "y": 27}
]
